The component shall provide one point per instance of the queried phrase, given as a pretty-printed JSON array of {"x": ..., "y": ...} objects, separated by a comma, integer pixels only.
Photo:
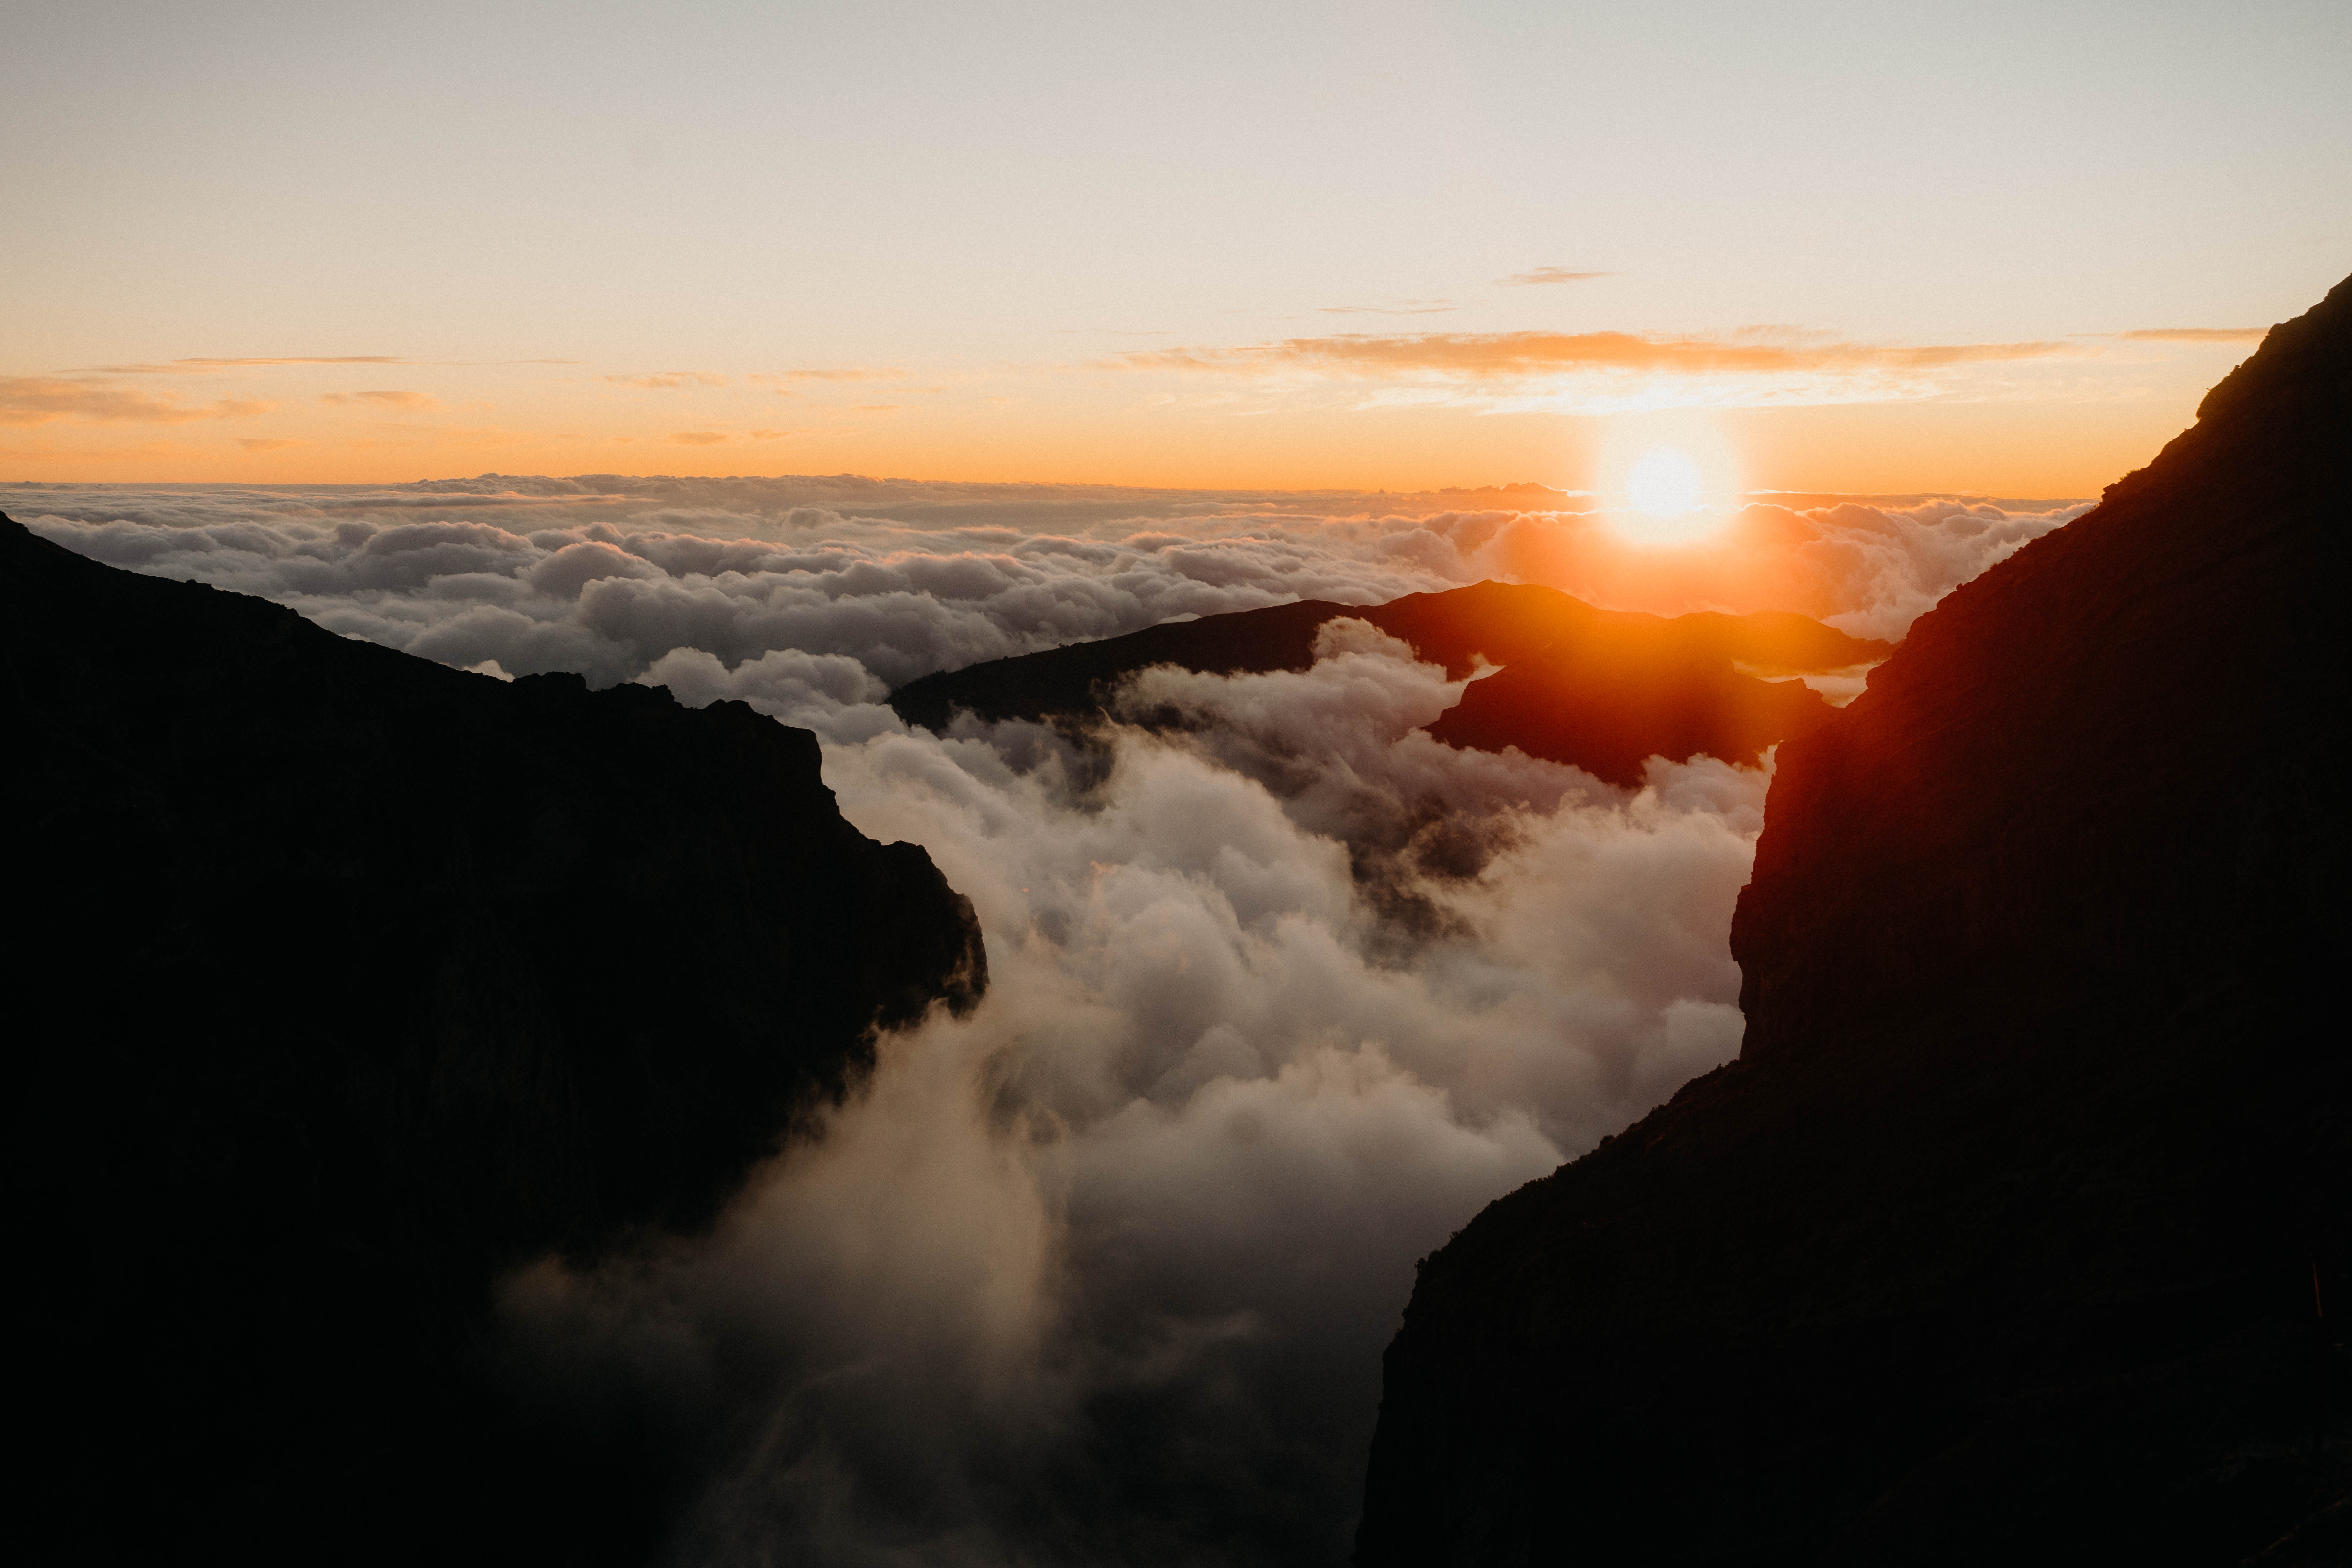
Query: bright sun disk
[{"x": 1665, "y": 483}]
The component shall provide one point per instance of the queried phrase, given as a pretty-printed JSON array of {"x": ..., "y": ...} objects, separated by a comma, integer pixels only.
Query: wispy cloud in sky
[
  {"x": 845, "y": 372},
  {"x": 207, "y": 366},
  {"x": 1513, "y": 354},
  {"x": 38, "y": 399},
  {"x": 2198, "y": 335},
  {"x": 385, "y": 399},
  {"x": 1549, "y": 275},
  {"x": 195, "y": 366},
  {"x": 670, "y": 380},
  {"x": 1608, "y": 371}
]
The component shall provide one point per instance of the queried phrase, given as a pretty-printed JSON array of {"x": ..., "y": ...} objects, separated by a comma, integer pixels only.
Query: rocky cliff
[
  {"x": 344, "y": 982},
  {"x": 1601, "y": 689},
  {"x": 2007, "y": 1236}
]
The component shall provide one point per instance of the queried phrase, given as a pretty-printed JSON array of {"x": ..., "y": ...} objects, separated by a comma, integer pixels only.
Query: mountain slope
[
  {"x": 2000, "y": 1242},
  {"x": 1601, "y": 689},
  {"x": 344, "y": 982}
]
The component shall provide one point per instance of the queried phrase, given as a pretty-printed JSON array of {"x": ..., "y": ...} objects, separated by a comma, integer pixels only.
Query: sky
[
  {"x": 887, "y": 338},
  {"x": 1998, "y": 249}
]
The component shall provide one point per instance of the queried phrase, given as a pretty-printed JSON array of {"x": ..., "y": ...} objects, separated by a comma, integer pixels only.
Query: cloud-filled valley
[{"x": 1281, "y": 997}]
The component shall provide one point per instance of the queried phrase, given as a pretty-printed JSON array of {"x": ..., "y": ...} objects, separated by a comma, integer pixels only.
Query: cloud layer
[
  {"x": 610, "y": 576},
  {"x": 1102, "y": 1274}
]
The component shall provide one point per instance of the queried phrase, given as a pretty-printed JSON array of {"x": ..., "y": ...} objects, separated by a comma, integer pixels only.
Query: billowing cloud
[
  {"x": 908, "y": 577},
  {"x": 1281, "y": 998},
  {"x": 1103, "y": 1275},
  {"x": 417, "y": 401},
  {"x": 670, "y": 380},
  {"x": 38, "y": 399},
  {"x": 1549, "y": 275}
]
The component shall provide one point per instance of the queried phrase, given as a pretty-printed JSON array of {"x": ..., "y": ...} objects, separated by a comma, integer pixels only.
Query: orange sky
[
  {"x": 2062, "y": 420},
  {"x": 1384, "y": 244}
]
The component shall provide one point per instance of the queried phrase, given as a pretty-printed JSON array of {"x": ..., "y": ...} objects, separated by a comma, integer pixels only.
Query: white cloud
[
  {"x": 1136, "y": 1231},
  {"x": 1281, "y": 998},
  {"x": 607, "y": 575}
]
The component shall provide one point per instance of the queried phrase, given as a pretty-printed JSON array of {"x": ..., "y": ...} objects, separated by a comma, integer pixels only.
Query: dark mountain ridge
[
  {"x": 1601, "y": 689},
  {"x": 2006, "y": 1237},
  {"x": 345, "y": 982}
]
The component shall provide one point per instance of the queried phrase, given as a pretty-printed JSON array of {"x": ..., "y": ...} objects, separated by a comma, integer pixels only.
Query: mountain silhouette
[
  {"x": 343, "y": 982},
  {"x": 1601, "y": 689},
  {"x": 2017, "y": 1231}
]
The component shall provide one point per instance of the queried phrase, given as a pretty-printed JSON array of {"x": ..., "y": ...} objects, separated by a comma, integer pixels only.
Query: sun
[
  {"x": 1665, "y": 483},
  {"x": 1667, "y": 500}
]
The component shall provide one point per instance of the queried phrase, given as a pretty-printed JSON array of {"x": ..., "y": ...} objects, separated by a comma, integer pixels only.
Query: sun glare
[
  {"x": 1665, "y": 483},
  {"x": 1668, "y": 498}
]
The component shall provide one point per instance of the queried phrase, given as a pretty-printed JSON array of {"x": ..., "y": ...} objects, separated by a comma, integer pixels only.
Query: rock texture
[
  {"x": 1601, "y": 689},
  {"x": 2006, "y": 1237},
  {"x": 344, "y": 982}
]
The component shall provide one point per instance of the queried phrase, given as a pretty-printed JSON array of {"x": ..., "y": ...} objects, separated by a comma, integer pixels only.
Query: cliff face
[
  {"x": 344, "y": 982},
  {"x": 2000, "y": 1242},
  {"x": 1602, "y": 689}
]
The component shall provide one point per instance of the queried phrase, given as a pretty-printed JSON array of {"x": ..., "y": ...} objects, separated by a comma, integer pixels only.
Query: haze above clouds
[{"x": 1102, "y": 1274}]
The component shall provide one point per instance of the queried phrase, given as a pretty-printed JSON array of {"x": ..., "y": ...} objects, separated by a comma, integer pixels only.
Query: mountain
[
  {"x": 343, "y": 982},
  {"x": 2017, "y": 1231},
  {"x": 1601, "y": 689}
]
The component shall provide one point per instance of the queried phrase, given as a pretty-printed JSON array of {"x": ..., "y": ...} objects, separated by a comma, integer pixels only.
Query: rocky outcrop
[
  {"x": 2004, "y": 1238},
  {"x": 1601, "y": 689},
  {"x": 345, "y": 982}
]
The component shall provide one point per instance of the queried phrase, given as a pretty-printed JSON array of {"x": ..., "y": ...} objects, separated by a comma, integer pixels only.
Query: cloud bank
[
  {"x": 1103, "y": 1274},
  {"x": 1281, "y": 998}
]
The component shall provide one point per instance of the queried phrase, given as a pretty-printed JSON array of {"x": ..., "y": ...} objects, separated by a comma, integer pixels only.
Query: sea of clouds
[{"x": 1279, "y": 1000}]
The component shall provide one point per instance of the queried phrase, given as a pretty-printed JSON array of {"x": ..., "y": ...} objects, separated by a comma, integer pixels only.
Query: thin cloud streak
[
  {"x": 388, "y": 399},
  {"x": 1411, "y": 307},
  {"x": 670, "y": 380},
  {"x": 197, "y": 366},
  {"x": 38, "y": 399},
  {"x": 850, "y": 372},
  {"x": 2197, "y": 336},
  {"x": 1548, "y": 275},
  {"x": 1495, "y": 355},
  {"x": 1604, "y": 373},
  {"x": 202, "y": 366}
]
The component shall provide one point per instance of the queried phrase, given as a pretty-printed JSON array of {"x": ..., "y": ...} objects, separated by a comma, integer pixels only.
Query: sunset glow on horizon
[{"x": 1368, "y": 247}]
